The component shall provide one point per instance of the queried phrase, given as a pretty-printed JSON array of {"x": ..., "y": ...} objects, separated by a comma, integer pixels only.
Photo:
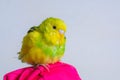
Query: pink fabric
[{"x": 57, "y": 71}]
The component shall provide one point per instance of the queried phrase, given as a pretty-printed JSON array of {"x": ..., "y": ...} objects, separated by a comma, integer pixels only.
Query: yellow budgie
[{"x": 45, "y": 43}]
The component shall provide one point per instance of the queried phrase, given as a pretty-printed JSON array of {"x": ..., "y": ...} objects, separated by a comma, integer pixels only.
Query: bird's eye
[{"x": 54, "y": 27}]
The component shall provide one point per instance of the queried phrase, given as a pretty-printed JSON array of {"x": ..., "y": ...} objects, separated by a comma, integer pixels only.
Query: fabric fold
[{"x": 56, "y": 71}]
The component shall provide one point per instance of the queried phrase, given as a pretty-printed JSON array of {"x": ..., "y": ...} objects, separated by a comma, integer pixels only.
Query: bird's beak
[{"x": 61, "y": 31}]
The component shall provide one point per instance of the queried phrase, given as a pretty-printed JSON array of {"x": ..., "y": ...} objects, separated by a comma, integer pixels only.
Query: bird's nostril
[{"x": 61, "y": 31}]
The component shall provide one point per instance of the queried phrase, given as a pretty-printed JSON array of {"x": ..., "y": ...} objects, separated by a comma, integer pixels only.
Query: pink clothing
[{"x": 57, "y": 71}]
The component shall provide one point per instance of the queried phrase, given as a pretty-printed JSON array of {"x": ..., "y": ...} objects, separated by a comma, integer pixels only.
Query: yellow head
[{"x": 53, "y": 30}]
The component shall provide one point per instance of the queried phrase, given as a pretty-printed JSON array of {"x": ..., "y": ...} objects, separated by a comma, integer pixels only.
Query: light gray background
[{"x": 93, "y": 34}]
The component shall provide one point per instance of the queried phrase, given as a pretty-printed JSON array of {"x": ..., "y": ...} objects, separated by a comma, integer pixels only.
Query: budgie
[
  {"x": 43, "y": 46},
  {"x": 45, "y": 43}
]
